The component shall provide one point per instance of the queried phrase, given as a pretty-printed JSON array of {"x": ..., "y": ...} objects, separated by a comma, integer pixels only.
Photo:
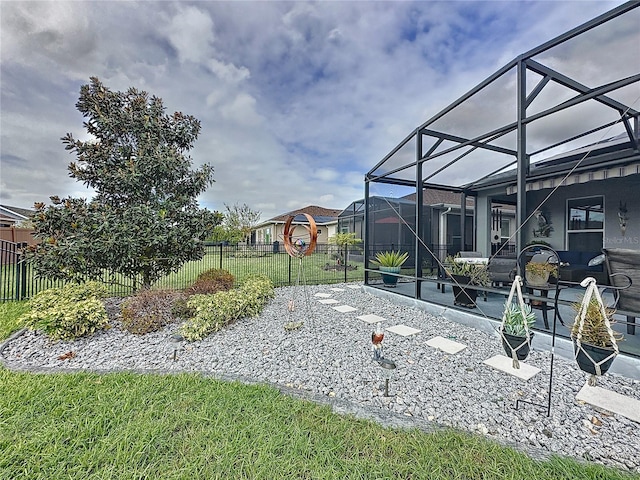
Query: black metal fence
[{"x": 328, "y": 264}]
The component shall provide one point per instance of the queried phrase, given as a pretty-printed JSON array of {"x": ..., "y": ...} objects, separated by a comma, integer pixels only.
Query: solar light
[
  {"x": 389, "y": 367},
  {"x": 175, "y": 344}
]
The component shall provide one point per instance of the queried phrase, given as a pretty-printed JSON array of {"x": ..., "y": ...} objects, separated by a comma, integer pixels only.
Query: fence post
[
  {"x": 21, "y": 275},
  {"x": 346, "y": 264},
  {"x": 220, "y": 255}
]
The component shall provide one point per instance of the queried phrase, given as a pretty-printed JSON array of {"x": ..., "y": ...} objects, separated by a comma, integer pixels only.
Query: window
[{"x": 585, "y": 220}]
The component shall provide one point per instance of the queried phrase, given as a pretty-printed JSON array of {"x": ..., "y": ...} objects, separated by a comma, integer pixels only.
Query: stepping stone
[
  {"x": 403, "y": 330},
  {"x": 354, "y": 287},
  {"x": 328, "y": 301},
  {"x": 322, "y": 295},
  {"x": 344, "y": 309},
  {"x": 505, "y": 364},
  {"x": 610, "y": 401},
  {"x": 446, "y": 345},
  {"x": 337, "y": 289},
  {"x": 371, "y": 318}
]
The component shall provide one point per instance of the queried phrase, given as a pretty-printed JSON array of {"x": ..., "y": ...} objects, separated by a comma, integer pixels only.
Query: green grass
[
  {"x": 10, "y": 313},
  {"x": 131, "y": 426},
  {"x": 241, "y": 262}
]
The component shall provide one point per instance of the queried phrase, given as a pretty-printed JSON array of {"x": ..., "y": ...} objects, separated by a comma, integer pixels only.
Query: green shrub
[
  {"x": 149, "y": 310},
  {"x": 181, "y": 309},
  {"x": 213, "y": 312},
  {"x": 212, "y": 281},
  {"x": 68, "y": 312}
]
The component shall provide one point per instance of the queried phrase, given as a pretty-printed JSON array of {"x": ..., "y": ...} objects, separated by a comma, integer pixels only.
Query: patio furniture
[
  {"x": 575, "y": 267},
  {"x": 626, "y": 262},
  {"x": 502, "y": 270}
]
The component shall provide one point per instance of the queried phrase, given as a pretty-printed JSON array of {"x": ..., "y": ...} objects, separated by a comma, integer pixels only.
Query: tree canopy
[{"x": 144, "y": 221}]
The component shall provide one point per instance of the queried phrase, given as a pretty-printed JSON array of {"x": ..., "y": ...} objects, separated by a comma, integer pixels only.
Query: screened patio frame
[{"x": 432, "y": 144}]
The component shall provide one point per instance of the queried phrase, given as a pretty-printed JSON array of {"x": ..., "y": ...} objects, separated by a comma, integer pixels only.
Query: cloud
[
  {"x": 191, "y": 33},
  {"x": 297, "y": 100}
]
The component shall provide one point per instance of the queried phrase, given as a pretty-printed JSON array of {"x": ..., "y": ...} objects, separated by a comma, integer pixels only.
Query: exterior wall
[
  {"x": 277, "y": 232},
  {"x": 614, "y": 191},
  {"x": 483, "y": 216}
]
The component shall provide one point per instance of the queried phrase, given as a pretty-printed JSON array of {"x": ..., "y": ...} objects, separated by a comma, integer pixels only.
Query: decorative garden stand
[{"x": 298, "y": 248}]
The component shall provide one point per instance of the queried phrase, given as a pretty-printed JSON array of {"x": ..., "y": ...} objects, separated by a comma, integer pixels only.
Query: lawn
[
  {"x": 320, "y": 267},
  {"x": 186, "y": 426}
]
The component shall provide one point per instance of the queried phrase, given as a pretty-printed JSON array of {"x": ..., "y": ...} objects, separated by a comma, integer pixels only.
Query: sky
[{"x": 297, "y": 100}]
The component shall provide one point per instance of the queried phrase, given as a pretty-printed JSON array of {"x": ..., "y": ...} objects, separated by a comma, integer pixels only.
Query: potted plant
[
  {"x": 537, "y": 273},
  {"x": 514, "y": 332},
  {"x": 390, "y": 262},
  {"x": 465, "y": 274},
  {"x": 595, "y": 338}
]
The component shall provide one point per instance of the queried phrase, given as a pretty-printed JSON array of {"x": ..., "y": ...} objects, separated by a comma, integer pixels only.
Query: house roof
[
  {"x": 439, "y": 197},
  {"x": 320, "y": 215},
  {"x": 616, "y": 155},
  {"x": 17, "y": 213}
]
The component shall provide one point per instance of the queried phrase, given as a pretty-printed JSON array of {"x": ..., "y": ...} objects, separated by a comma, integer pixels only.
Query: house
[
  {"x": 272, "y": 230},
  {"x": 560, "y": 146},
  {"x": 392, "y": 220},
  {"x": 10, "y": 216},
  {"x": 10, "y": 220}
]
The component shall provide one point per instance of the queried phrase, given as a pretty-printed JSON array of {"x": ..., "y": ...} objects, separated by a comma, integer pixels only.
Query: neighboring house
[
  {"x": 9, "y": 216},
  {"x": 272, "y": 230},
  {"x": 393, "y": 221}
]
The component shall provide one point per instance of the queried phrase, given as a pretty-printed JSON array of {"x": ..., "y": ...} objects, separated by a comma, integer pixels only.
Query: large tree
[{"x": 144, "y": 221}]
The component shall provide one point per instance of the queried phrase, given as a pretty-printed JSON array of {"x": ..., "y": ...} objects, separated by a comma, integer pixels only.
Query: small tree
[
  {"x": 144, "y": 221},
  {"x": 239, "y": 221},
  {"x": 344, "y": 240}
]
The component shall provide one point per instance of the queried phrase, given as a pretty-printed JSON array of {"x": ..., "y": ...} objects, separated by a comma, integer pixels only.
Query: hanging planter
[
  {"x": 517, "y": 322},
  {"x": 595, "y": 344}
]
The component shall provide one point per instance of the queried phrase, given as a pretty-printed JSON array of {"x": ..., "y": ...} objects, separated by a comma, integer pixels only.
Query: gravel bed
[{"x": 329, "y": 359}]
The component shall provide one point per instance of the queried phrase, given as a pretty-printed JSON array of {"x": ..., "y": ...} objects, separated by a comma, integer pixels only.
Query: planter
[
  {"x": 534, "y": 280},
  {"x": 511, "y": 340},
  {"x": 464, "y": 297},
  {"x": 389, "y": 280},
  {"x": 597, "y": 354}
]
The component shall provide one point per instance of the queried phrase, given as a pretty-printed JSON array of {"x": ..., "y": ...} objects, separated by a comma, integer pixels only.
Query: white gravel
[{"x": 329, "y": 359}]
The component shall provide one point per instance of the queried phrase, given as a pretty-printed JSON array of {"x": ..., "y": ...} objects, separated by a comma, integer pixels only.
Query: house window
[
  {"x": 585, "y": 221},
  {"x": 505, "y": 231}
]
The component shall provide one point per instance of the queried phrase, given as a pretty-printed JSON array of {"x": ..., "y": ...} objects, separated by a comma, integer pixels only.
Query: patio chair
[{"x": 626, "y": 262}]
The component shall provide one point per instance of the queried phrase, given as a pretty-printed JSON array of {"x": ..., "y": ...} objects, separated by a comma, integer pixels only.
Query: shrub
[
  {"x": 213, "y": 312},
  {"x": 181, "y": 309},
  {"x": 149, "y": 310},
  {"x": 68, "y": 312},
  {"x": 212, "y": 281}
]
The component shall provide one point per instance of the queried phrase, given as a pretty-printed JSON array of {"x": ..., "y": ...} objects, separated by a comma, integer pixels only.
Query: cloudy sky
[{"x": 298, "y": 100}]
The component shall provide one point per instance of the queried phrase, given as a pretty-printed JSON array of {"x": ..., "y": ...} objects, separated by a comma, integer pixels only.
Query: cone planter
[
  {"x": 389, "y": 280},
  {"x": 597, "y": 354},
  {"x": 464, "y": 297},
  {"x": 511, "y": 340}
]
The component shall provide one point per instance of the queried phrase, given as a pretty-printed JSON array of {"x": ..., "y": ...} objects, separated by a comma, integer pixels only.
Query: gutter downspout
[{"x": 442, "y": 235}]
